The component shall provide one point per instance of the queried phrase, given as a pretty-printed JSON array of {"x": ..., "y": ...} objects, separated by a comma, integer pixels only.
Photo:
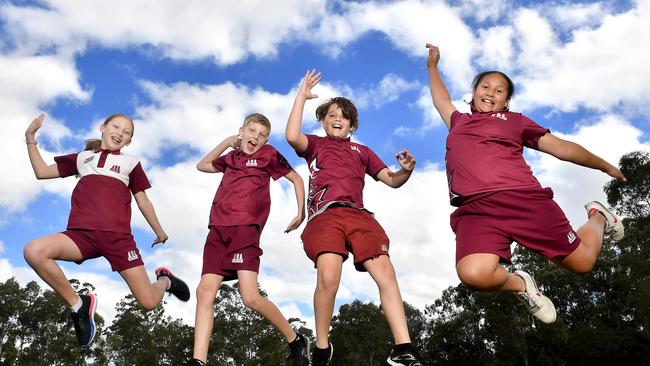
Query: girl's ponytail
[{"x": 93, "y": 144}]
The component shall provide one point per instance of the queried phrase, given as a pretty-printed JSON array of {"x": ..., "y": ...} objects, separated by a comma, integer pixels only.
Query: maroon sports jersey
[
  {"x": 101, "y": 200},
  {"x": 485, "y": 153},
  {"x": 243, "y": 197},
  {"x": 337, "y": 168}
]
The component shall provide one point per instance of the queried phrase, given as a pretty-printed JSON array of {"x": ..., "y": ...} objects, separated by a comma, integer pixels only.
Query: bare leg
[
  {"x": 381, "y": 270},
  {"x": 41, "y": 254},
  {"x": 482, "y": 271},
  {"x": 206, "y": 294},
  {"x": 148, "y": 294},
  {"x": 328, "y": 277},
  {"x": 583, "y": 258},
  {"x": 253, "y": 299}
]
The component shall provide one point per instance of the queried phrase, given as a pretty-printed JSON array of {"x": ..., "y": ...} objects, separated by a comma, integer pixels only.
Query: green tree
[
  {"x": 36, "y": 328},
  {"x": 143, "y": 338}
]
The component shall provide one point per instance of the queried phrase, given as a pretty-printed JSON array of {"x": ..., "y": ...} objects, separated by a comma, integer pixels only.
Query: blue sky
[{"x": 189, "y": 72}]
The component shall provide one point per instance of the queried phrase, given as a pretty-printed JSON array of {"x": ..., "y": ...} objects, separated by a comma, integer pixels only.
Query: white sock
[{"x": 77, "y": 306}]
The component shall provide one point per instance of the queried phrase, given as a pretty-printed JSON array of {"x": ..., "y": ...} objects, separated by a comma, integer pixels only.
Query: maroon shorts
[
  {"x": 343, "y": 230},
  {"x": 119, "y": 249},
  {"x": 529, "y": 217},
  {"x": 229, "y": 249}
]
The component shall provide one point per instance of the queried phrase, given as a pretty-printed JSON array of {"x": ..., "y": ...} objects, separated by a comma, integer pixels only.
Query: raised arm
[
  {"x": 41, "y": 169},
  {"x": 293, "y": 133},
  {"x": 146, "y": 207},
  {"x": 205, "y": 165},
  {"x": 299, "y": 188},
  {"x": 398, "y": 178},
  {"x": 574, "y": 153},
  {"x": 439, "y": 93}
]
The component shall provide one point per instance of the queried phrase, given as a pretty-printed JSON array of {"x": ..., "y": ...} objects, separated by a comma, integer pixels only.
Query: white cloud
[
  {"x": 599, "y": 68},
  {"x": 388, "y": 90},
  {"x": 29, "y": 82},
  {"x": 227, "y": 32}
]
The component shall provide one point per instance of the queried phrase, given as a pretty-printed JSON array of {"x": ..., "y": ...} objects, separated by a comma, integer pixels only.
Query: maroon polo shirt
[
  {"x": 337, "y": 168},
  {"x": 243, "y": 197},
  {"x": 101, "y": 200},
  {"x": 485, "y": 153}
]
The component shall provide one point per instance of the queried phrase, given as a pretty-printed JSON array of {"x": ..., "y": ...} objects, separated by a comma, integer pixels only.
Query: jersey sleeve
[
  {"x": 531, "y": 132},
  {"x": 279, "y": 166},
  {"x": 138, "y": 180},
  {"x": 455, "y": 116},
  {"x": 66, "y": 165},
  {"x": 374, "y": 165},
  {"x": 311, "y": 147},
  {"x": 221, "y": 163}
]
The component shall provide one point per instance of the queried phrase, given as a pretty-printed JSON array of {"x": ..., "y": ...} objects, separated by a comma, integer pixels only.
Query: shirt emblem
[
  {"x": 251, "y": 162},
  {"x": 116, "y": 169},
  {"x": 238, "y": 258}
]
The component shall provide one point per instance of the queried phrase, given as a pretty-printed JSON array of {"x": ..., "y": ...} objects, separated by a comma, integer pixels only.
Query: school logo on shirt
[
  {"x": 355, "y": 148},
  {"x": 571, "y": 236},
  {"x": 384, "y": 248},
  {"x": 89, "y": 159},
  {"x": 238, "y": 258},
  {"x": 500, "y": 115},
  {"x": 251, "y": 162},
  {"x": 116, "y": 169},
  {"x": 132, "y": 255}
]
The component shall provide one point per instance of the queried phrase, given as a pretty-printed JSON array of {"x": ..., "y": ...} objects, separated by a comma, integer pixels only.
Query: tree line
[{"x": 604, "y": 317}]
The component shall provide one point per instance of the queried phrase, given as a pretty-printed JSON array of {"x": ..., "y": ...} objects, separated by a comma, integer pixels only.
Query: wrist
[{"x": 31, "y": 141}]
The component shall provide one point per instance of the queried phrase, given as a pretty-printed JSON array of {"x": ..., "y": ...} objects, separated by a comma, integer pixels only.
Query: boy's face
[
  {"x": 253, "y": 136},
  {"x": 491, "y": 94},
  {"x": 116, "y": 133},
  {"x": 335, "y": 124}
]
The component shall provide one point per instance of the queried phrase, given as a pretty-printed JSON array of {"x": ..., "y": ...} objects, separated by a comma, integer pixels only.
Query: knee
[
  {"x": 252, "y": 301},
  {"x": 33, "y": 253},
  {"x": 205, "y": 292},
  {"x": 584, "y": 267},
  {"x": 148, "y": 303},
  {"x": 328, "y": 283},
  {"x": 475, "y": 277}
]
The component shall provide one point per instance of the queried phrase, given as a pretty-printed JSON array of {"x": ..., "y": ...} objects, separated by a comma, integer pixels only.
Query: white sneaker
[
  {"x": 614, "y": 226},
  {"x": 539, "y": 305}
]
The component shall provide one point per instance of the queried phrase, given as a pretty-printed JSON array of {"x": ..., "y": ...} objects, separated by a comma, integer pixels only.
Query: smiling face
[
  {"x": 335, "y": 123},
  {"x": 116, "y": 132},
  {"x": 491, "y": 93},
  {"x": 253, "y": 136}
]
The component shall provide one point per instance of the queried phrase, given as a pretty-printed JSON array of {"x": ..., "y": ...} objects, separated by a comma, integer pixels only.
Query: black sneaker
[
  {"x": 178, "y": 287},
  {"x": 84, "y": 319},
  {"x": 299, "y": 350},
  {"x": 410, "y": 357},
  {"x": 194, "y": 362},
  {"x": 322, "y": 357}
]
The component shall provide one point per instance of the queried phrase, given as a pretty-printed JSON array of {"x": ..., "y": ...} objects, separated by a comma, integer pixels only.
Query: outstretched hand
[
  {"x": 295, "y": 223},
  {"x": 311, "y": 79},
  {"x": 405, "y": 160},
  {"x": 434, "y": 55},
  {"x": 616, "y": 173},
  {"x": 160, "y": 239},
  {"x": 30, "y": 133}
]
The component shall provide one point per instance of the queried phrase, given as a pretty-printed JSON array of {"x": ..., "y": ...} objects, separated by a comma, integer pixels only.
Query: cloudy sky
[{"x": 188, "y": 72}]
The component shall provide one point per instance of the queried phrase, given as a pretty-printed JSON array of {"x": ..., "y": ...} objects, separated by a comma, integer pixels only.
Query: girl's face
[
  {"x": 116, "y": 133},
  {"x": 335, "y": 124},
  {"x": 491, "y": 94},
  {"x": 253, "y": 136}
]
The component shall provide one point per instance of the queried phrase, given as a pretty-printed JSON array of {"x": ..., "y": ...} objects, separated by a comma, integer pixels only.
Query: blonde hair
[
  {"x": 94, "y": 144},
  {"x": 257, "y": 118}
]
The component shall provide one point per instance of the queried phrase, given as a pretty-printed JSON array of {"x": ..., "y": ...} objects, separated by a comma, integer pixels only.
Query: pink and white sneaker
[{"x": 614, "y": 226}]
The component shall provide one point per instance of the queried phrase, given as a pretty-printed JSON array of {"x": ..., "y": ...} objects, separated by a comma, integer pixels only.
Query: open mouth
[
  {"x": 116, "y": 140},
  {"x": 251, "y": 145},
  {"x": 337, "y": 126}
]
